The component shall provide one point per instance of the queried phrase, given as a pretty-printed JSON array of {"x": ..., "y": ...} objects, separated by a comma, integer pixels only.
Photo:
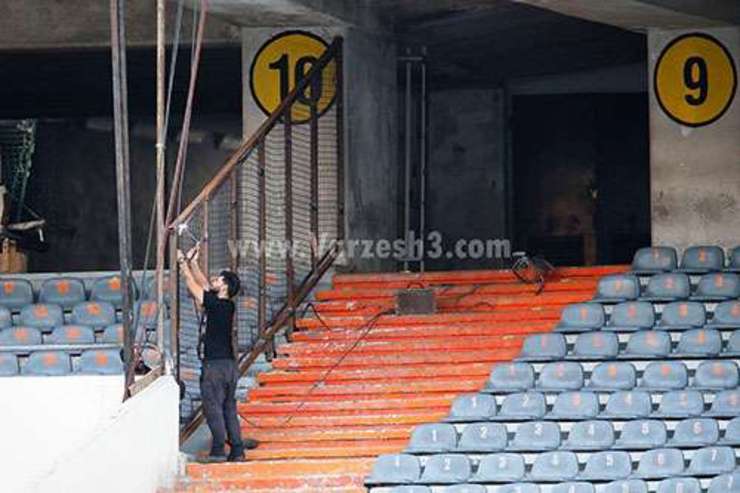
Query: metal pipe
[
  {"x": 261, "y": 236},
  {"x": 289, "y": 268},
  {"x": 407, "y": 167},
  {"x": 174, "y": 303},
  {"x": 423, "y": 154},
  {"x": 160, "y": 156},
  {"x": 314, "y": 148},
  {"x": 340, "y": 140}
]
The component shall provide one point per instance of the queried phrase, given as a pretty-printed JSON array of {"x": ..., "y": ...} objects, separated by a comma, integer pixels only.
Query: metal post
[
  {"x": 340, "y": 139},
  {"x": 423, "y": 154},
  {"x": 205, "y": 258},
  {"x": 261, "y": 238},
  {"x": 174, "y": 304},
  {"x": 234, "y": 251},
  {"x": 407, "y": 167},
  {"x": 289, "y": 269},
  {"x": 160, "y": 156},
  {"x": 314, "y": 145}
]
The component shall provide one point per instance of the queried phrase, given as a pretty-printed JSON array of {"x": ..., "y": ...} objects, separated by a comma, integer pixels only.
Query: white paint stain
[{"x": 686, "y": 131}]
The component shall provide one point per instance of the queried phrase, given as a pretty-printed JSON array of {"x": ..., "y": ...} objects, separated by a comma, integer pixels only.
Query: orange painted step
[
  {"x": 361, "y": 417},
  {"x": 272, "y": 469},
  {"x": 346, "y": 433},
  {"x": 368, "y": 374},
  {"x": 304, "y": 484},
  {"x": 299, "y": 405},
  {"x": 347, "y": 448}
]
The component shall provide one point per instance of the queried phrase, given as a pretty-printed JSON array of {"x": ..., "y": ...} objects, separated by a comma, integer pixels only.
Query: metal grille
[{"x": 17, "y": 145}]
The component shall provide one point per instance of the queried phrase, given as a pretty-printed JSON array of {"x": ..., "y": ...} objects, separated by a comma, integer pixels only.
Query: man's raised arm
[{"x": 195, "y": 288}]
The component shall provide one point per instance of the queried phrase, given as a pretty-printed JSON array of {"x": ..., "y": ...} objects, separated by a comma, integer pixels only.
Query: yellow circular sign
[
  {"x": 695, "y": 79},
  {"x": 281, "y": 63}
]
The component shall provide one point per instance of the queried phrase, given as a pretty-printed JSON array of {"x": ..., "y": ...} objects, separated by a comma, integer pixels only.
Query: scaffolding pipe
[{"x": 160, "y": 156}]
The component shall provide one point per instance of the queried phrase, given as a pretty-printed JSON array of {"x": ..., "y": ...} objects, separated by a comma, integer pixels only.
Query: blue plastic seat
[
  {"x": 719, "y": 286},
  {"x": 467, "y": 407},
  {"x": 15, "y": 294},
  {"x": 20, "y": 336},
  {"x": 590, "y": 435},
  {"x": 649, "y": 343},
  {"x": 665, "y": 375},
  {"x": 555, "y": 466},
  {"x": 446, "y": 469},
  {"x": 596, "y": 345},
  {"x": 681, "y": 404},
  {"x": 47, "y": 363},
  {"x": 575, "y": 405},
  {"x": 702, "y": 259},
  {"x": 483, "y": 437},
  {"x": 72, "y": 334},
  {"x": 710, "y": 461},
  {"x": 608, "y": 466},
  {"x": 642, "y": 434},
  {"x": 65, "y": 292},
  {"x": 661, "y": 463},
  {"x": 94, "y": 314},
  {"x": 433, "y": 438},
  {"x": 581, "y": 317},
  {"x": 726, "y": 315},
  {"x": 725, "y": 403},
  {"x": 6, "y": 320},
  {"x": 695, "y": 432},
  {"x": 733, "y": 264},
  {"x": 536, "y": 436},
  {"x": 679, "y": 485},
  {"x": 629, "y": 404},
  {"x": 667, "y": 287},
  {"x": 511, "y": 377},
  {"x": 465, "y": 488},
  {"x": 8, "y": 364},
  {"x": 610, "y": 376},
  {"x": 654, "y": 260},
  {"x": 725, "y": 483},
  {"x": 682, "y": 315},
  {"x": 732, "y": 433},
  {"x": 395, "y": 469},
  {"x": 560, "y": 376},
  {"x": 716, "y": 375},
  {"x": 502, "y": 467},
  {"x": 108, "y": 289},
  {"x": 518, "y": 488},
  {"x": 147, "y": 312},
  {"x": 700, "y": 342},
  {"x": 42, "y": 316},
  {"x": 631, "y": 316},
  {"x": 416, "y": 488},
  {"x": 573, "y": 487},
  {"x": 113, "y": 334},
  {"x": 543, "y": 347},
  {"x": 523, "y": 405},
  {"x": 101, "y": 362},
  {"x": 617, "y": 288},
  {"x": 626, "y": 486},
  {"x": 733, "y": 344}
]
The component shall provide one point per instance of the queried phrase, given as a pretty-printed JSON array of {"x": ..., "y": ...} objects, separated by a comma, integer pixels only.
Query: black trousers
[{"x": 218, "y": 380}]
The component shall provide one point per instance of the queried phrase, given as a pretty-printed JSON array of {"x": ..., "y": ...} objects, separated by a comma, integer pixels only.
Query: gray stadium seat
[
  {"x": 667, "y": 287},
  {"x": 6, "y": 320},
  {"x": 8, "y": 364},
  {"x": 726, "y": 403},
  {"x": 575, "y": 405},
  {"x": 665, "y": 375},
  {"x": 699, "y": 342},
  {"x": 617, "y": 288},
  {"x": 654, "y": 260},
  {"x": 726, "y": 483},
  {"x": 543, "y": 347},
  {"x": 682, "y": 315},
  {"x": 101, "y": 362},
  {"x": 629, "y": 404},
  {"x": 147, "y": 311},
  {"x": 523, "y": 405},
  {"x": 108, "y": 289},
  {"x": 719, "y": 286},
  {"x": 555, "y": 466},
  {"x": 679, "y": 485},
  {"x": 47, "y": 363},
  {"x": 560, "y": 376},
  {"x": 631, "y": 316},
  {"x": 469, "y": 407},
  {"x": 702, "y": 259},
  {"x": 483, "y": 437},
  {"x": 726, "y": 315},
  {"x": 681, "y": 404},
  {"x": 695, "y": 432},
  {"x": 642, "y": 434},
  {"x": 411, "y": 489},
  {"x": 500, "y": 468},
  {"x": 733, "y": 344},
  {"x": 596, "y": 345},
  {"x": 733, "y": 264},
  {"x": 447, "y": 469},
  {"x": 72, "y": 334},
  {"x": 94, "y": 314},
  {"x": 518, "y": 488},
  {"x": 465, "y": 488},
  {"x": 613, "y": 376},
  {"x": 732, "y": 433},
  {"x": 710, "y": 461},
  {"x": 650, "y": 343},
  {"x": 536, "y": 436},
  {"x": 395, "y": 469},
  {"x": 511, "y": 377},
  {"x": 20, "y": 336},
  {"x": 113, "y": 334},
  {"x": 608, "y": 466},
  {"x": 433, "y": 438},
  {"x": 590, "y": 435},
  {"x": 573, "y": 487},
  {"x": 626, "y": 486},
  {"x": 716, "y": 375},
  {"x": 65, "y": 292},
  {"x": 42, "y": 315},
  {"x": 581, "y": 317},
  {"x": 15, "y": 294},
  {"x": 661, "y": 463}
]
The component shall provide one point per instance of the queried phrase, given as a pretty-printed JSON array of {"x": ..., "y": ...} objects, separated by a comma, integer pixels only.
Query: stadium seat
[
  {"x": 560, "y": 376},
  {"x": 94, "y": 314},
  {"x": 395, "y": 469},
  {"x": 101, "y": 362},
  {"x": 710, "y": 461},
  {"x": 113, "y": 334},
  {"x": 65, "y": 292},
  {"x": 555, "y": 466},
  {"x": 733, "y": 344},
  {"x": 581, "y": 317},
  {"x": 642, "y": 434},
  {"x": 609, "y": 376},
  {"x": 702, "y": 259},
  {"x": 726, "y": 483},
  {"x": 681, "y": 404},
  {"x": 631, "y": 316},
  {"x": 42, "y": 315},
  {"x": 733, "y": 264},
  {"x": 667, "y": 287},
  {"x": 654, "y": 260},
  {"x": 575, "y": 405},
  {"x": 732, "y": 433},
  {"x": 665, "y": 375},
  {"x": 108, "y": 289},
  {"x": 511, "y": 377},
  {"x": 47, "y": 363},
  {"x": 590, "y": 435},
  {"x": 716, "y": 375},
  {"x": 631, "y": 404},
  {"x": 483, "y": 437},
  {"x": 573, "y": 487},
  {"x": 660, "y": 463},
  {"x": 536, "y": 436},
  {"x": 432, "y": 438},
  {"x": 465, "y": 488},
  {"x": 543, "y": 347},
  {"x": 682, "y": 315},
  {"x": 617, "y": 288},
  {"x": 719, "y": 286},
  {"x": 695, "y": 432},
  {"x": 72, "y": 334},
  {"x": 726, "y": 403},
  {"x": 524, "y": 405},
  {"x": 15, "y": 294},
  {"x": 8, "y": 364},
  {"x": 447, "y": 469},
  {"x": 626, "y": 486},
  {"x": 6, "y": 320},
  {"x": 596, "y": 345},
  {"x": 499, "y": 468},
  {"x": 699, "y": 342},
  {"x": 648, "y": 343},
  {"x": 147, "y": 311},
  {"x": 608, "y": 466},
  {"x": 411, "y": 489},
  {"x": 679, "y": 485},
  {"x": 468, "y": 407},
  {"x": 20, "y": 336},
  {"x": 726, "y": 315}
]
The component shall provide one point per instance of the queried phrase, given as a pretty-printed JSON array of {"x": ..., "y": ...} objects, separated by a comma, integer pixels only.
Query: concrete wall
[{"x": 695, "y": 172}]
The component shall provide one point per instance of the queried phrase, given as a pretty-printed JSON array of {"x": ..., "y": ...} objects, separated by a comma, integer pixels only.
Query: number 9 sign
[
  {"x": 695, "y": 79},
  {"x": 281, "y": 63}
]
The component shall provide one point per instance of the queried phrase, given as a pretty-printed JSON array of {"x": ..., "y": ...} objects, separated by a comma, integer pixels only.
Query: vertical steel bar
[
  {"x": 289, "y": 268},
  {"x": 205, "y": 257},
  {"x": 160, "y": 156},
  {"x": 234, "y": 248},
  {"x": 423, "y": 154},
  {"x": 261, "y": 238},
  {"x": 407, "y": 165},
  {"x": 174, "y": 288},
  {"x": 314, "y": 145},
  {"x": 340, "y": 138}
]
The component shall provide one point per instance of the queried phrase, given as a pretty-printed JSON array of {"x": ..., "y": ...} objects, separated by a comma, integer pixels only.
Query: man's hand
[
  {"x": 194, "y": 253},
  {"x": 180, "y": 256}
]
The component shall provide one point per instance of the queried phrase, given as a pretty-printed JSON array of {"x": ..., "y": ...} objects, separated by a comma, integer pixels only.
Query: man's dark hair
[{"x": 232, "y": 281}]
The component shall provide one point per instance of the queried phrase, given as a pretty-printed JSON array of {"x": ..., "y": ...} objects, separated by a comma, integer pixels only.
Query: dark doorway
[{"x": 581, "y": 176}]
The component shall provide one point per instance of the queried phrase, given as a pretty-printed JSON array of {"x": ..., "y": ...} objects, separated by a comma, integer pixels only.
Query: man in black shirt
[{"x": 219, "y": 373}]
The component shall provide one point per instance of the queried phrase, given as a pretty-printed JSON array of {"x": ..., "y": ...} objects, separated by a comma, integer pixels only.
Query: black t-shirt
[{"x": 219, "y": 323}]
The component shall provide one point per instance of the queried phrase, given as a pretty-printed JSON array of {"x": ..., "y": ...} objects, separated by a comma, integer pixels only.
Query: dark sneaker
[
  {"x": 213, "y": 459},
  {"x": 250, "y": 443},
  {"x": 237, "y": 458}
]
